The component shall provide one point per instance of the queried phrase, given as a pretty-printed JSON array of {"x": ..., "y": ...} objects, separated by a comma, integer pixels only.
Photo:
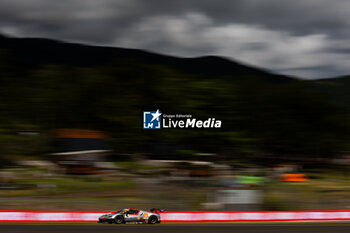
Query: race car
[{"x": 131, "y": 215}]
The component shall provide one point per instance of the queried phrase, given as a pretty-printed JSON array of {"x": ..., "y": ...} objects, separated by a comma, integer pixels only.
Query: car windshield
[{"x": 119, "y": 211}]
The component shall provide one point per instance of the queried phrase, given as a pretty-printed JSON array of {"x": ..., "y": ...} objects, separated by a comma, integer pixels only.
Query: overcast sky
[{"x": 306, "y": 38}]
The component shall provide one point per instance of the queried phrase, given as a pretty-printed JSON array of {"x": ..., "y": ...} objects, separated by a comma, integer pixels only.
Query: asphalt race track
[{"x": 278, "y": 228}]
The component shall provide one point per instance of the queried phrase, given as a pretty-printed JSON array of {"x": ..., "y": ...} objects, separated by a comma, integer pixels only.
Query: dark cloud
[{"x": 286, "y": 36}]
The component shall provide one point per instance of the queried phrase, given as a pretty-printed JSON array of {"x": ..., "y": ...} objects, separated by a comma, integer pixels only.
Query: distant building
[
  {"x": 78, "y": 150},
  {"x": 238, "y": 199}
]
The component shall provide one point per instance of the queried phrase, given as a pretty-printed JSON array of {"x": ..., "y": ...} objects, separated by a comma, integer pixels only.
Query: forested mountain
[{"x": 47, "y": 84}]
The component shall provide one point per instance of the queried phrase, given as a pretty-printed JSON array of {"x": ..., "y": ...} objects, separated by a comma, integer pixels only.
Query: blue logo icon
[{"x": 152, "y": 120}]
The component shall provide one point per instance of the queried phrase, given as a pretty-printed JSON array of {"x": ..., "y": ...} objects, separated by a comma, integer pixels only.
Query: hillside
[
  {"x": 336, "y": 89},
  {"x": 47, "y": 84},
  {"x": 39, "y": 51}
]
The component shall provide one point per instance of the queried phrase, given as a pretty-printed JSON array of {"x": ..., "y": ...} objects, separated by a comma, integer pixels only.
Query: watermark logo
[
  {"x": 157, "y": 120},
  {"x": 152, "y": 120}
]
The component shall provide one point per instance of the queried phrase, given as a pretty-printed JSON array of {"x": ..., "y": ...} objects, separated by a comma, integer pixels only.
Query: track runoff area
[
  {"x": 180, "y": 227},
  {"x": 180, "y": 217},
  {"x": 201, "y": 222}
]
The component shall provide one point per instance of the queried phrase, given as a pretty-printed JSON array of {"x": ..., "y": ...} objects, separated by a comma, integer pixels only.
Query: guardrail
[{"x": 180, "y": 216}]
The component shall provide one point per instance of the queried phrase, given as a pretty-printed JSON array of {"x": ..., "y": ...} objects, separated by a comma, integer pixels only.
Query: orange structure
[
  {"x": 78, "y": 150},
  {"x": 293, "y": 178}
]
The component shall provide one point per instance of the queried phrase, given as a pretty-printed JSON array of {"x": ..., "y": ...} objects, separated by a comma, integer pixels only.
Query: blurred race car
[{"x": 132, "y": 215}]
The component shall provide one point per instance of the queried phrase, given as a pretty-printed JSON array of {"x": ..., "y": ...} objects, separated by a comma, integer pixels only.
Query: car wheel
[
  {"x": 152, "y": 220},
  {"x": 119, "y": 220}
]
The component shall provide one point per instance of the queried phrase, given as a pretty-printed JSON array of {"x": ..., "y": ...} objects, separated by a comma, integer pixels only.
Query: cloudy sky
[{"x": 306, "y": 38}]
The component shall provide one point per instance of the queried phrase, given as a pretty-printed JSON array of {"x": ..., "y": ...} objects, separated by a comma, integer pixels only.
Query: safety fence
[{"x": 180, "y": 216}]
